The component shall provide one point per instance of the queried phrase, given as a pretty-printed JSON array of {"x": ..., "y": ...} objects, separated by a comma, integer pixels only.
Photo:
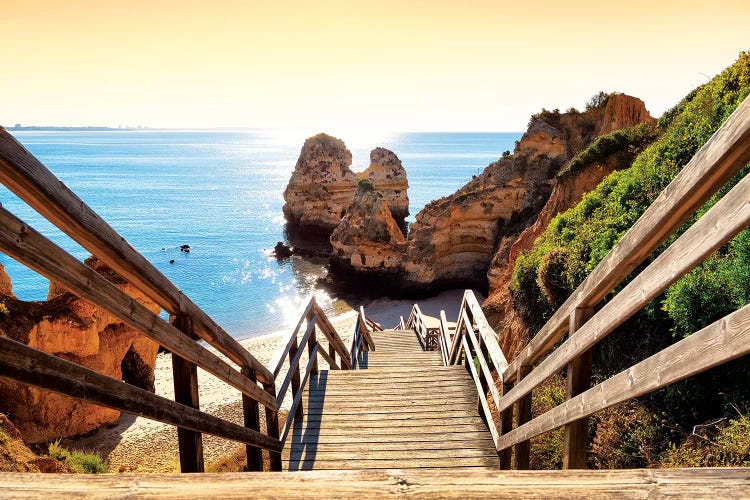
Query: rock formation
[
  {"x": 368, "y": 238},
  {"x": 388, "y": 176},
  {"x": 455, "y": 239},
  {"x": 321, "y": 187},
  {"x": 15, "y": 456},
  {"x": 75, "y": 330},
  {"x": 6, "y": 286}
]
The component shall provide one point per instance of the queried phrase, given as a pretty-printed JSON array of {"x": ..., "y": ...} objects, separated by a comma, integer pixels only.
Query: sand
[{"x": 141, "y": 445}]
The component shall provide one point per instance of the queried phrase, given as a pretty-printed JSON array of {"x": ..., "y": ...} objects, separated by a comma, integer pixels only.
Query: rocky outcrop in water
[
  {"x": 321, "y": 187},
  {"x": 368, "y": 239},
  {"x": 388, "y": 176},
  {"x": 77, "y": 331}
]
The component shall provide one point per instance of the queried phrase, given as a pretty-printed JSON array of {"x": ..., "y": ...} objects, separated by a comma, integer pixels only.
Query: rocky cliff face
[
  {"x": 323, "y": 185},
  {"x": 388, "y": 176},
  {"x": 368, "y": 238},
  {"x": 455, "y": 239},
  {"x": 73, "y": 329},
  {"x": 6, "y": 286}
]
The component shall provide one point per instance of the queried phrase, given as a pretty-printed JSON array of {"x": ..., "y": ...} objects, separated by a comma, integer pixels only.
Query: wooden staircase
[{"x": 400, "y": 409}]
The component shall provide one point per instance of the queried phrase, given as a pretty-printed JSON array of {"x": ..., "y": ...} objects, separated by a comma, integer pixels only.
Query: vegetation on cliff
[{"x": 577, "y": 240}]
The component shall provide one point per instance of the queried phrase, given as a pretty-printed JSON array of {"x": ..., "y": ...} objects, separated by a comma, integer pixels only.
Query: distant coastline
[{"x": 40, "y": 128}]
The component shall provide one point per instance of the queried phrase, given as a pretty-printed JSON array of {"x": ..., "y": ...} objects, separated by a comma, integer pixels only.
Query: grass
[{"x": 80, "y": 461}]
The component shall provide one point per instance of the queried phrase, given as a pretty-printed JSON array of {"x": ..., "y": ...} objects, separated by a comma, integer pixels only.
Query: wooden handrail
[
  {"x": 720, "y": 224},
  {"x": 30, "y": 366},
  {"x": 23, "y": 243},
  {"x": 718, "y": 343},
  {"x": 31, "y": 181},
  {"x": 723, "y": 155}
]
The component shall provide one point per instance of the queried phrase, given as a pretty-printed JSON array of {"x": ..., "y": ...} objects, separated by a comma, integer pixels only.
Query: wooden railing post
[
  {"x": 522, "y": 450},
  {"x": 579, "y": 380},
  {"x": 272, "y": 428},
  {"x": 185, "y": 376},
  {"x": 252, "y": 421},
  {"x": 310, "y": 346},
  {"x": 299, "y": 413},
  {"x": 506, "y": 425}
]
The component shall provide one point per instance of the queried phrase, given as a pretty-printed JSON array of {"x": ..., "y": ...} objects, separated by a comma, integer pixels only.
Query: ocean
[{"x": 221, "y": 193}]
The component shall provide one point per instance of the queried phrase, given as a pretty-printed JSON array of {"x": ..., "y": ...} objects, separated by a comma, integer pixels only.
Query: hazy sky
[{"x": 343, "y": 66}]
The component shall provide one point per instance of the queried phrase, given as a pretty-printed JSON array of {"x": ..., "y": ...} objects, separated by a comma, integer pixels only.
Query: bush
[
  {"x": 596, "y": 100},
  {"x": 365, "y": 185},
  {"x": 723, "y": 445},
  {"x": 80, "y": 461}
]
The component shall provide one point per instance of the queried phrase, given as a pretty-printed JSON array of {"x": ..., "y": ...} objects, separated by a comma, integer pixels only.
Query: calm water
[{"x": 221, "y": 193}]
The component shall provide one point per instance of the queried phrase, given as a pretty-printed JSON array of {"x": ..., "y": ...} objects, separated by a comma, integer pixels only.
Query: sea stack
[
  {"x": 388, "y": 176},
  {"x": 368, "y": 239},
  {"x": 321, "y": 187}
]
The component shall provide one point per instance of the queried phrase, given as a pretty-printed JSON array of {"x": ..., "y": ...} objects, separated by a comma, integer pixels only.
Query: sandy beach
[{"x": 138, "y": 444}]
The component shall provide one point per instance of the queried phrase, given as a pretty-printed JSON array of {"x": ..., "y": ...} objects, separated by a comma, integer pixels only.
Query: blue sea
[{"x": 221, "y": 193}]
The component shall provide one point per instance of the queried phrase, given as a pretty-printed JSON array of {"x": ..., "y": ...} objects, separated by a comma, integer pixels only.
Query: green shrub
[
  {"x": 79, "y": 461},
  {"x": 365, "y": 185},
  {"x": 726, "y": 445}
]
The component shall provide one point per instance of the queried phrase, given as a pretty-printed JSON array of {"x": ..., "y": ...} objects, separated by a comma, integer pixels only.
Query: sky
[{"x": 339, "y": 66}]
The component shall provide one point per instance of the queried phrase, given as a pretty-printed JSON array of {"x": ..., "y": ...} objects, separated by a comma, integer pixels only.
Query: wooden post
[
  {"x": 332, "y": 353},
  {"x": 272, "y": 427},
  {"x": 310, "y": 346},
  {"x": 186, "y": 392},
  {"x": 299, "y": 413},
  {"x": 506, "y": 425},
  {"x": 522, "y": 451},
  {"x": 252, "y": 421},
  {"x": 579, "y": 380}
]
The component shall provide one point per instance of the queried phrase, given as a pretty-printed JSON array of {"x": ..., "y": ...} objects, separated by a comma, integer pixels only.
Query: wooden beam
[
  {"x": 185, "y": 378},
  {"x": 251, "y": 419},
  {"x": 578, "y": 381},
  {"x": 334, "y": 340},
  {"x": 26, "y": 245},
  {"x": 720, "y": 224},
  {"x": 723, "y": 155},
  {"x": 31, "y": 181},
  {"x": 331, "y": 362},
  {"x": 506, "y": 425},
  {"x": 295, "y": 354},
  {"x": 522, "y": 449},
  {"x": 280, "y": 355},
  {"x": 718, "y": 343},
  {"x": 391, "y": 484},
  {"x": 297, "y": 401},
  {"x": 483, "y": 405},
  {"x": 488, "y": 335},
  {"x": 272, "y": 429},
  {"x": 29, "y": 366}
]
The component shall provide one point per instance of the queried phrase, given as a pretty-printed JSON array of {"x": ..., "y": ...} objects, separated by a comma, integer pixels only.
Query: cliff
[
  {"x": 582, "y": 174},
  {"x": 455, "y": 239},
  {"x": 322, "y": 185},
  {"x": 73, "y": 329}
]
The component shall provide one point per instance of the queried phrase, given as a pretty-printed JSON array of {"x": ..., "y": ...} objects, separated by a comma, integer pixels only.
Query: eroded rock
[
  {"x": 77, "y": 331},
  {"x": 388, "y": 176}
]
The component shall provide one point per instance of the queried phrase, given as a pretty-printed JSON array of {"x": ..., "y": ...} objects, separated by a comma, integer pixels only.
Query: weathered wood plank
[
  {"x": 297, "y": 399},
  {"x": 31, "y": 181},
  {"x": 522, "y": 449},
  {"x": 480, "y": 392},
  {"x": 467, "y": 483},
  {"x": 578, "y": 380},
  {"x": 26, "y": 245},
  {"x": 386, "y": 415},
  {"x": 725, "y": 219},
  {"x": 329, "y": 359},
  {"x": 295, "y": 354},
  {"x": 484, "y": 443},
  {"x": 723, "y": 155},
  {"x": 718, "y": 343},
  {"x": 368, "y": 439},
  {"x": 408, "y": 463},
  {"x": 185, "y": 379},
  {"x": 29, "y": 366},
  {"x": 316, "y": 455},
  {"x": 489, "y": 338},
  {"x": 334, "y": 340}
]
